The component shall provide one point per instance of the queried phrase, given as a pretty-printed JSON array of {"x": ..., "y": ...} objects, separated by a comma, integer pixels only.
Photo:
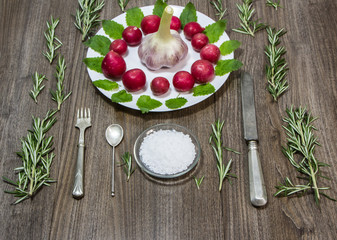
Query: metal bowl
[{"x": 165, "y": 126}]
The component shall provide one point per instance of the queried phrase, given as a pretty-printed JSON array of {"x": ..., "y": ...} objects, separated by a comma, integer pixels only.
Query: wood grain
[{"x": 144, "y": 208}]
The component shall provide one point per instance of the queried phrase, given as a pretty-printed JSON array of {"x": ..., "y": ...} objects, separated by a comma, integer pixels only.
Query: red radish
[
  {"x": 198, "y": 41},
  {"x": 175, "y": 23},
  {"x": 192, "y": 28},
  {"x": 211, "y": 53},
  {"x": 159, "y": 86},
  {"x": 134, "y": 80},
  {"x": 202, "y": 71},
  {"x": 113, "y": 65},
  {"x": 183, "y": 81},
  {"x": 119, "y": 46},
  {"x": 150, "y": 24},
  {"x": 132, "y": 35}
]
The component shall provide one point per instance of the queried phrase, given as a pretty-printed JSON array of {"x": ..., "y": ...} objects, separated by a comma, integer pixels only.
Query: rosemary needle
[
  {"x": 127, "y": 165},
  {"x": 300, "y": 148},
  {"x": 87, "y": 16},
  {"x": 216, "y": 143},
  {"x": 217, "y": 5},
  {"x": 122, "y": 4},
  {"x": 198, "y": 181},
  {"x": 248, "y": 26},
  {"x": 37, "y": 85},
  {"x": 277, "y": 67},
  {"x": 273, "y": 4},
  {"x": 58, "y": 95},
  {"x": 53, "y": 43}
]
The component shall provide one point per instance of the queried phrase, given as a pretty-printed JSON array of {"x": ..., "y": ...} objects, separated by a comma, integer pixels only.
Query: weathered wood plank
[{"x": 148, "y": 209}]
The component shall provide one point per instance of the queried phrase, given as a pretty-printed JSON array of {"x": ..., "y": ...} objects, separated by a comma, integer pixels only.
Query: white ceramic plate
[{"x": 132, "y": 61}]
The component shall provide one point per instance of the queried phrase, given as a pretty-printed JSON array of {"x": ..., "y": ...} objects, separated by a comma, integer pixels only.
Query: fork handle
[{"x": 78, "y": 184}]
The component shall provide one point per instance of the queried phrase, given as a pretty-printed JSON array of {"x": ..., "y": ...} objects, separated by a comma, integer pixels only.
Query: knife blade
[{"x": 258, "y": 194}]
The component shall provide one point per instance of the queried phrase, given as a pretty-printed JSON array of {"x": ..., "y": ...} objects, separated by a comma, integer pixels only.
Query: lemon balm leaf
[
  {"x": 204, "y": 89},
  {"x": 99, "y": 44},
  {"x": 146, "y": 103},
  {"x": 189, "y": 14},
  {"x": 175, "y": 103},
  {"x": 94, "y": 64},
  {"x": 159, "y": 7},
  {"x": 113, "y": 29},
  {"x": 215, "y": 30},
  {"x": 229, "y": 46},
  {"x": 134, "y": 17},
  {"x": 121, "y": 96},
  {"x": 226, "y": 66},
  {"x": 106, "y": 84}
]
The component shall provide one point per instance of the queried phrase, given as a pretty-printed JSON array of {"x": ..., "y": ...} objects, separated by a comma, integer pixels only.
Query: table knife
[{"x": 258, "y": 195}]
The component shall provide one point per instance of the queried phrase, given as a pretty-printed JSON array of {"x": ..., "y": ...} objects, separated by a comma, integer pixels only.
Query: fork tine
[
  {"x": 85, "y": 113},
  {"x": 88, "y": 112},
  {"x": 78, "y": 113},
  {"x": 81, "y": 116}
]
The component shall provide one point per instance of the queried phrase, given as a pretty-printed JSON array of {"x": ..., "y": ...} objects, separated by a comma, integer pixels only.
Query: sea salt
[{"x": 167, "y": 151}]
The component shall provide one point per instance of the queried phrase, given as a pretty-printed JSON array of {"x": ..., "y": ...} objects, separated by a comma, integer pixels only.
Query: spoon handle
[{"x": 113, "y": 173}]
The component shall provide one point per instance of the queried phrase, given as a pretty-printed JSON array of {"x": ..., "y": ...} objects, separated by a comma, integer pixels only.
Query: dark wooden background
[{"x": 148, "y": 209}]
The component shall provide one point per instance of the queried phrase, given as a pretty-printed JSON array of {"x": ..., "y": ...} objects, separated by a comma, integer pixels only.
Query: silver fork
[{"x": 83, "y": 122}]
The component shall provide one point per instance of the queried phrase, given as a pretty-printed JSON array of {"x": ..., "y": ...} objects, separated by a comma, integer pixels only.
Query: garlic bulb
[{"x": 164, "y": 48}]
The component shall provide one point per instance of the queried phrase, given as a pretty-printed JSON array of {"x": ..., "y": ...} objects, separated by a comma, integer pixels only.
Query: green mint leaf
[
  {"x": 215, "y": 30},
  {"x": 146, "y": 103},
  {"x": 121, "y": 96},
  {"x": 134, "y": 17},
  {"x": 204, "y": 89},
  {"x": 106, "y": 84},
  {"x": 228, "y": 47},
  {"x": 189, "y": 14},
  {"x": 94, "y": 64},
  {"x": 226, "y": 66},
  {"x": 99, "y": 44},
  {"x": 175, "y": 103},
  {"x": 113, "y": 29},
  {"x": 159, "y": 7}
]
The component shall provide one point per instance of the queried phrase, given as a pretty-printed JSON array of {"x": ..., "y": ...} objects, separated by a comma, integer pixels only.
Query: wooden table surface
[{"x": 144, "y": 208}]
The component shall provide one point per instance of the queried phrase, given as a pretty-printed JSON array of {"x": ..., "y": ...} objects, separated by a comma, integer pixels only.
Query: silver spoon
[{"x": 114, "y": 135}]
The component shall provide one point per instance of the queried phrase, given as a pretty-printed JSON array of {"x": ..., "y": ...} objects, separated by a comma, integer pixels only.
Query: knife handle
[{"x": 258, "y": 194}]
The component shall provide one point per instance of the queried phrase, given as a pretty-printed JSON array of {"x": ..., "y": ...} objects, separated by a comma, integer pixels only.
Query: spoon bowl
[{"x": 114, "y": 135}]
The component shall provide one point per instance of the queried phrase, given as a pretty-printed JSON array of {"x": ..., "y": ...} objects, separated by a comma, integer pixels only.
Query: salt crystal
[{"x": 167, "y": 151}]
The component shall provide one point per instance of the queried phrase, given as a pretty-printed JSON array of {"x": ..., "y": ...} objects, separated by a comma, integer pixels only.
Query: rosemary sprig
[
  {"x": 277, "y": 68},
  {"x": 217, "y": 5},
  {"x": 248, "y": 26},
  {"x": 300, "y": 150},
  {"x": 37, "y": 85},
  {"x": 198, "y": 181},
  {"x": 59, "y": 95},
  {"x": 127, "y": 165},
  {"x": 216, "y": 143},
  {"x": 36, "y": 158},
  {"x": 87, "y": 17},
  {"x": 273, "y": 4},
  {"x": 122, "y": 4},
  {"x": 53, "y": 43}
]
